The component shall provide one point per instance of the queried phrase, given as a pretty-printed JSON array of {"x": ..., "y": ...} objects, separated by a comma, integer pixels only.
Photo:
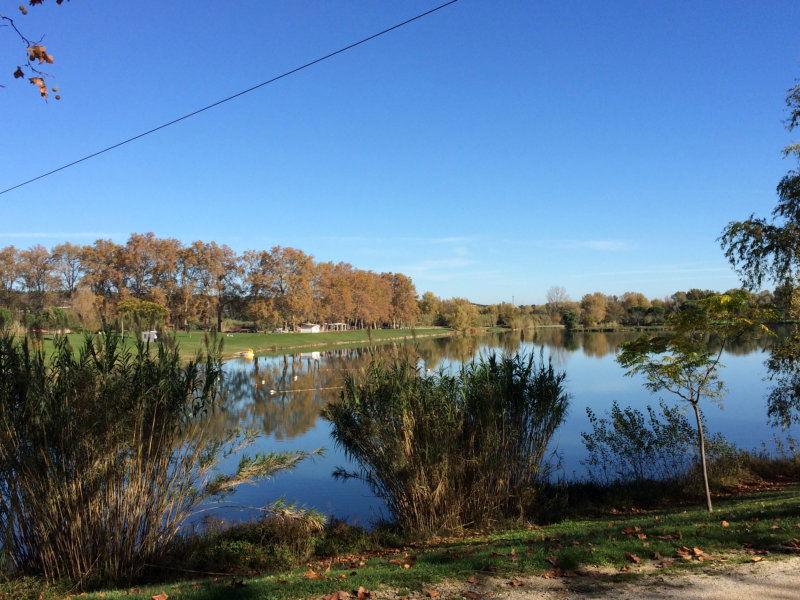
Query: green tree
[
  {"x": 760, "y": 248},
  {"x": 686, "y": 360},
  {"x": 144, "y": 313}
]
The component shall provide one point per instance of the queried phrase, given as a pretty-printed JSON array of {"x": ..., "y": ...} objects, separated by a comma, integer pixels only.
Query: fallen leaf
[
  {"x": 725, "y": 524},
  {"x": 473, "y": 580},
  {"x": 757, "y": 558},
  {"x": 516, "y": 583},
  {"x": 633, "y": 558},
  {"x": 473, "y": 595},
  {"x": 161, "y": 596},
  {"x": 311, "y": 574},
  {"x": 432, "y": 594},
  {"x": 362, "y": 593},
  {"x": 340, "y": 595}
]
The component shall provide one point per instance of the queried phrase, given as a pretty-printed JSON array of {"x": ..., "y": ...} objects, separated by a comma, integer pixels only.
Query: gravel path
[{"x": 766, "y": 580}]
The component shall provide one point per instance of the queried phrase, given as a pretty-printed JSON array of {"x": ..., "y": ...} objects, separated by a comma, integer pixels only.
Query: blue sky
[{"x": 493, "y": 149}]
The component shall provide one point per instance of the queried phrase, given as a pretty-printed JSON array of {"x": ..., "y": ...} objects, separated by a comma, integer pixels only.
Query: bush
[
  {"x": 626, "y": 446},
  {"x": 105, "y": 453},
  {"x": 6, "y": 318},
  {"x": 279, "y": 540},
  {"x": 451, "y": 451}
]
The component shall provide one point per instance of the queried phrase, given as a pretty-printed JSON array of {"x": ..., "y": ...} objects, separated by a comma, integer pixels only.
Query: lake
[{"x": 280, "y": 397}]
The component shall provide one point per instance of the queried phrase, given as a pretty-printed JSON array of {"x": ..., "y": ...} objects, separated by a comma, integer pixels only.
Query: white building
[{"x": 309, "y": 328}]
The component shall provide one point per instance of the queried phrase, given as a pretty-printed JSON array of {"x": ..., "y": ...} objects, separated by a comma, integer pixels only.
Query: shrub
[
  {"x": 6, "y": 318},
  {"x": 626, "y": 446},
  {"x": 451, "y": 451},
  {"x": 105, "y": 453}
]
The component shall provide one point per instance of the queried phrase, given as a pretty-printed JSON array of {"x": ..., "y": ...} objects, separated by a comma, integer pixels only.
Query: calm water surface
[{"x": 304, "y": 383}]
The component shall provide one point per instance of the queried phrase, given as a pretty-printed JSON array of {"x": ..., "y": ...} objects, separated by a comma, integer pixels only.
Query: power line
[{"x": 229, "y": 98}]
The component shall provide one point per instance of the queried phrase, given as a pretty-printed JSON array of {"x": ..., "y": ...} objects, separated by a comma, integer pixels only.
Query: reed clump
[
  {"x": 104, "y": 454},
  {"x": 450, "y": 451}
]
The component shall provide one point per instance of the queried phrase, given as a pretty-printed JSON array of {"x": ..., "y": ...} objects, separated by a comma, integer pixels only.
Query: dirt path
[{"x": 766, "y": 580}]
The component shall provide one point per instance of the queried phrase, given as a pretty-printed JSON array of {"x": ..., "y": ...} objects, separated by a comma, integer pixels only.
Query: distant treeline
[
  {"x": 163, "y": 282},
  {"x": 631, "y": 309},
  {"x": 196, "y": 285}
]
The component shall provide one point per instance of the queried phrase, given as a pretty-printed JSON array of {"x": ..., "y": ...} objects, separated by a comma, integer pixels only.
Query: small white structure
[
  {"x": 309, "y": 328},
  {"x": 149, "y": 336},
  {"x": 336, "y": 326}
]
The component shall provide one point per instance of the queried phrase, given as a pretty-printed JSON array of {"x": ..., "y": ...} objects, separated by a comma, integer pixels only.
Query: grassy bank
[
  {"x": 281, "y": 343},
  {"x": 759, "y": 526}
]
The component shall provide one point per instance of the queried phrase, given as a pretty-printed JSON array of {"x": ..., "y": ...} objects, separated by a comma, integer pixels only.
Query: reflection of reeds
[{"x": 450, "y": 451}]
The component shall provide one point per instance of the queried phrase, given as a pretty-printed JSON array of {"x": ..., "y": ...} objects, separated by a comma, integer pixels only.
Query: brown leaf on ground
[
  {"x": 630, "y": 530},
  {"x": 312, "y": 574},
  {"x": 551, "y": 574},
  {"x": 657, "y": 556},
  {"x": 757, "y": 558},
  {"x": 725, "y": 524},
  {"x": 161, "y": 596},
  {"x": 472, "y": 580},
  {"x": 665, "y": 563},
  {"x": 362, "y": 593},
  {"x": 432, "y": 594},
  {"x": 633, "y": 558},
  {"x": 340, "y": 595},
  {"x": 516, "y": 583},
  {"x": 552, "y": 560},
  {"x": 473, "y": 596}
]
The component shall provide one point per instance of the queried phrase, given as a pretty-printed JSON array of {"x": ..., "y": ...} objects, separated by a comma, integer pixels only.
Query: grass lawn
[
  {"x": 760, "y": 526},
  {"x": 279, "y": 343}
]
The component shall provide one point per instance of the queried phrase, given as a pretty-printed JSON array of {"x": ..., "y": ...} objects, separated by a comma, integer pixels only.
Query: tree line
[{"x": 199, "y": 284}]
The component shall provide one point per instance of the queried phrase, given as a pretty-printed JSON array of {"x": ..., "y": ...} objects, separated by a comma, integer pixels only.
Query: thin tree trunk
[{"x": 702, "y": 444}]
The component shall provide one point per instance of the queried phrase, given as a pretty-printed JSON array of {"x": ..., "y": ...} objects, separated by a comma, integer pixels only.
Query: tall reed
[
  {"x": 448, "y": 451},
  {"x": 104, "y": 453}
]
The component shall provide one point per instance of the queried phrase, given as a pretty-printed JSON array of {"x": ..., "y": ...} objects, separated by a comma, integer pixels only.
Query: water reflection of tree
[{"x": 300, "y": 380}]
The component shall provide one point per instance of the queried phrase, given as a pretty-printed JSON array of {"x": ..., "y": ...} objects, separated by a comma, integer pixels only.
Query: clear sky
[{"x": 493, "y": 149}]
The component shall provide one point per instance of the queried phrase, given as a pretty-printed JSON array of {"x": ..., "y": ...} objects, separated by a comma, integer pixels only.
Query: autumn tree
[
  {"x": 404, "y": 308},
  {"x": 36, "y": 274},
  {"x": 459, "y": 313},
  {"x": 104, "y": 275},
  {"x": 33, "y": 54},
  {"x": 593, "y": 308},
  {"x": 217, "y": 269},
  {"x": 66, "y": 262},
  {"x": 9, "y": 272}
]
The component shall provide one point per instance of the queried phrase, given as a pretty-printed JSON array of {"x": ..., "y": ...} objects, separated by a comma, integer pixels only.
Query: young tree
[{"x": 686, "y": 361}]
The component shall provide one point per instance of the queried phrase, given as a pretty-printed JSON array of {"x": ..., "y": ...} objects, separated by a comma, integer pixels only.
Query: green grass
[
  {"x": 761, "y": 525},
  {"x": 278, "y": 343}
]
